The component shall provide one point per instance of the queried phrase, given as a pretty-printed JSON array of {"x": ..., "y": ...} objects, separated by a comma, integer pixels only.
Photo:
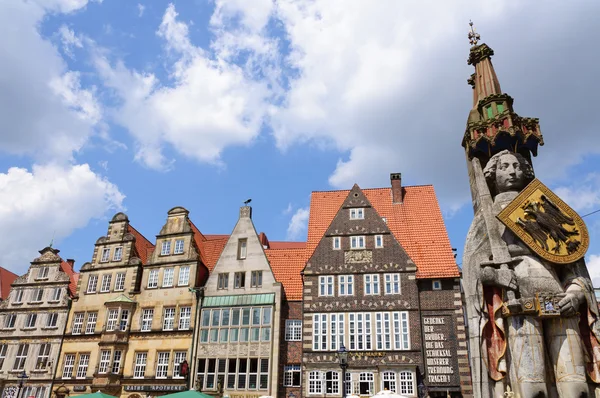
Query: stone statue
[{"x": 511, "y": 344}]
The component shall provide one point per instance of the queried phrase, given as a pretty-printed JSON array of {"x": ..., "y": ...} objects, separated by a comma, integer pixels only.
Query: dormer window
[
  {"x": 242, "y": 248},
  {"x": 357, "y": 214},
  {"x": 118, "y": 254},
  {"x": 357, "y": 242},
  {"x": 337, "y": 244},
  {"x": 105, "y": 255},
  {"x": 42, "y": 273},
  {"x": 165, "y": 249}
]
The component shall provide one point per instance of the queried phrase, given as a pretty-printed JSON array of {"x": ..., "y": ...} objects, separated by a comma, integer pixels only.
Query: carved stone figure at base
[{"x": 532, "y": 323}]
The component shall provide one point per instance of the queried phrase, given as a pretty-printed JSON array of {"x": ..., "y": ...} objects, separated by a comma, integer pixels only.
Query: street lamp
[
  {"x": 342, "y": 355},
  {"x": 22, "y": 377}
]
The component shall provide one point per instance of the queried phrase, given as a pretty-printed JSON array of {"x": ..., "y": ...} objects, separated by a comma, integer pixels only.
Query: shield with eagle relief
[{"x": 546, "y": 224}]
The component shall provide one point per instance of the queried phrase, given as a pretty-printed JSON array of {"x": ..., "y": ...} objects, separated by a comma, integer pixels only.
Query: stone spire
[{"x": 493, "y": 125}]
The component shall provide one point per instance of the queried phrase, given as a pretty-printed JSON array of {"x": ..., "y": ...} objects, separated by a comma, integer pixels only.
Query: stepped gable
[{"x": 416, "y": 223}]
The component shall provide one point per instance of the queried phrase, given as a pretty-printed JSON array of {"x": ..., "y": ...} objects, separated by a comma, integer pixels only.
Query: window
[
  {"x": 378, "y": 241},
  {"x": 184, "y": 276},
  {"x": 401, "y": 333},
  {"x": 147, "y": 315},
  {"x": 56, "y": 294},
  {"x": 185, "y": 313},
  {"x": 104, "y": 361},
  {"x": 139, "y": 370},
  {"x": 21, "y": 357},
  {"x": 392, "y": 283},
  {"x": 105, "y": 286},
  {"x": 111, "y": 320},
  {"x": 222, "y": 281},
  {"x": 105, "y": 255},
  {"x": 293, "y": 330},
  {"x": 120, "y": 282},
  {"x": 406, "y": 383},
  {"x": 3, "y": 349},
  {"x": 383, "y": 337},
  {"x": 179, "y": 358},
  {"x": 366, "y": 383},
  {"x": 153, "y": 279},
  {"x": 92, "y": 283},
  {"x": 30, "y": 321},
  {"x": 357, "y": 214},
  {"x": 90, "y": 327},
  {"x": 256, "y": 279},
  {"x": 325, "y": 285},
  {"x": 37, "y": 295},
  {"x": 336, "y": 325},
  {"x": 116, "y": 366},
  {"x": 291, "y": 376},
  {"x": 242, "y": 249},
  {"x": 357, "y": 242},
  {"x": 500, "y": 107},
  {"x": 315, "y": 382},
  {"x": 124, "y": 320},
  {"x": 319, "y": 332},
  {"x": 43, "y": 354},
  {"x": 332, "y": 383},
  {"x": 360, "y": 332},
  {"x": 178, "y": 246},
  {"x": 162, "y": 365},
  {"x": 169, "y": 318},
  {"x": 51, "y": 320},
  {"x": 239, "y": 280},
  {"x": 165, "y": 249},
  {"x": 489, "y": 111},
  {"x": 388, "y": 381},
  {"x": 9, "y": 321},
  {"x": 84, "y": 360},
  {"x": 345, "y": 285},
  {"x": 168, "y": 276},
  {"x": 371, "y": 284},
  {"x": 436, "y": 284},
  {"x": 77, "y": 323},
  {"x": 337, "y": 243},
  {"x": 18, "y": 296},
  {"x": 42, "y": 273},
  {"x": 68, "y": 366},
  {"x": 118, "y": 255}
]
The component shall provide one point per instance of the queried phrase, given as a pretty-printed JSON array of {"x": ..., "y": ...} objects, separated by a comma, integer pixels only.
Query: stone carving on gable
[
  {"x": 47, "y": 256},
  {"x": 358, "y": 256},
  {"x": 128, "y": 236},
  {"x": 351, "y": 304}
]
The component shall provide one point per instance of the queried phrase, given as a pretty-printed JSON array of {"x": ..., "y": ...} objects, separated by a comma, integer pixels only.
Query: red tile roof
[
  {"x": 143, "y": 246},
  {"x": 210, "y": 246},
  {"x": 416, "y": 223},
  {"x": 67, "y": 268},
  {"x": 6, "y": 279},
  {"x": 287, "y": 265},
  {"x": 287, "y": 245}
]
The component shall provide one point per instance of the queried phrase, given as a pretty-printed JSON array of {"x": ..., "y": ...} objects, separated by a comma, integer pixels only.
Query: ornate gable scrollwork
[
  {"x": 358, "y": 256},
  {"x": 47, "y": 256}
]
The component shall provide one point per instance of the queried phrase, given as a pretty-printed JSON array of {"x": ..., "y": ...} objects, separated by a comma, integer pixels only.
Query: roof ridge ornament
[{"x": 473, "y": 36}]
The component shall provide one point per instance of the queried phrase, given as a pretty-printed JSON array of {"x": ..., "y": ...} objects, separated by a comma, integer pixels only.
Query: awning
[{"x": 239, "y": 300}]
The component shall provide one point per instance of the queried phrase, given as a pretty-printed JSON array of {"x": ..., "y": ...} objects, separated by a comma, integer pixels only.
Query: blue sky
[{"x": 142, "y": 106}]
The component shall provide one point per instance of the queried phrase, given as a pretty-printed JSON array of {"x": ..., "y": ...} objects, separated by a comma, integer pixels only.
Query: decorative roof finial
[{"x": 473, "y": 36}]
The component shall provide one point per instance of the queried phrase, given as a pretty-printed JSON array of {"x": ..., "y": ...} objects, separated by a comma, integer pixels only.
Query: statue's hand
[
  {"x": 499, "y": 277},
  {"x": 570, "y": 302}
]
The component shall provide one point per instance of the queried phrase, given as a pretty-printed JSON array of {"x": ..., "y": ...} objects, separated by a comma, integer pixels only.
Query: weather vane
[{"x": 473, "y": 36}]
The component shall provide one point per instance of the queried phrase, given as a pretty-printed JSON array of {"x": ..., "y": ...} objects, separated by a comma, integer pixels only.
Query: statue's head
[{"x": 508, "y": 171}]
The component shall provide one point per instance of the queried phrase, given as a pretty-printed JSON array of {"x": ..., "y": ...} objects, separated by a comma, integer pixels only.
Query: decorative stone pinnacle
[{"x": 473, "y": 36}]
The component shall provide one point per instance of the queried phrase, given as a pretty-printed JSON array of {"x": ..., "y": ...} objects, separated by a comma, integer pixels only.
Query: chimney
[
  {"x": 264, "y": 241},
  {"x": 71, "y": 262},
  {"x": 396, "y": 180}
]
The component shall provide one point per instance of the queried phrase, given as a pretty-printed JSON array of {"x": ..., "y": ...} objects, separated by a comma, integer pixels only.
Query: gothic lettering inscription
[{"x": 437, "y": 352}]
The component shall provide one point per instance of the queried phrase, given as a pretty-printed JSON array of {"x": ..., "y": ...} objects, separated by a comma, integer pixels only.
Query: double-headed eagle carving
[{"x": 543, "y": 219}]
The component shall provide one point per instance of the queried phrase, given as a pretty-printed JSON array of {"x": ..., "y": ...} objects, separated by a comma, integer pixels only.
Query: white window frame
[
  {"x": 372, "y": 284},
  {"x": 185, "y": 317},
  {"x": 345, "y": 285},
  {"x": 326, "y": 286},
  {"x": 256, "y": 278},
  {"x": 42, "y": 273},
  {"x": 104, "y": 363},
  {"x": 147, "y": 317},
  {"x": 184, "y": 276},
  {"x": 391, "y": 378},
  {"x": 293, "y": 330},
  {"x": 242, "y": 248},
  {"x": 378, "y": 241},
  {"x": 315, "y": 382},
  {"x": 178, "y": 246},
  {"x": 3, "y": 350},
  {"x": 77, "y": 327},
  {"x": 56, "y": 294},
  {"x": 357, "y": 213},
  {"x": 162, "y": 364},
  {"x": 18, "y": 296},
  {"x": 288, "y": 375},
  {"x": 92, "y": 283},
  {"x": 168, "y": 318},
  {"x": 105, "y": 284},
  {"x": 105, "y": 255},
  {"x": 336, "y": 243},
  {"x": 82, "y": 366},
  {"x": 179, "y": 357},
  {"x": 153, "y": 279},
  {"x": 337, "y": 331},
  {"x": 392, "y": 283},
  {"x": 10, "y": 320},
  {"x": 124, "y": 320},
  {"x": 358, "y": 242},
  {"x": 90, "y": 325},
  {"x": 406, "y": 382},
  {"x": 165, "y": 248},
  {"x": 168, "y": 277},
  {"x": 31, "y": 320},
  {"x": 120, "y": 281},
  {"x": 68, "y": 366},
  {"x": 37, "y": 295},
  {"x": 436, "y": 284},
  {"x": 223, "y": 280},
  {"x": 139, "y": 370},
  {"x": 116, "y": 363},
  {"x": 112, "y": 318},
  {"x": 43, "y": 355},
  {"x": 118, "y": 254},
  {"x": 52, "y": 320},
  {"x": 320, "y": 335}
]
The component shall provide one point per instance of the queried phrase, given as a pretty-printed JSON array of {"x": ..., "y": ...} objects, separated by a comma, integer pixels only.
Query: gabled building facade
[
  {"x": 239, "y": 331},
  {"x": 32, "y": 323}
]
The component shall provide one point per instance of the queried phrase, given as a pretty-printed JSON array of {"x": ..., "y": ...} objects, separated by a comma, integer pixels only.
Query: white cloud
[
  {"x": 593, "y": 266},
  {"x": 582, "y": 196},
  {"x": 69, "y": 40},
  {"x": 288, "y": 209},
  {"x": 298, "y": 224},
  {"x": 141, "y": 9},
  {"x": 48, "y": 201}
]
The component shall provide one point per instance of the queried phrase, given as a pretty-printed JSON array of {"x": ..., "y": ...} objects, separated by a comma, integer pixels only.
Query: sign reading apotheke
[
  {"x": 440, "y": 362},
  {"x": 155, "y": 388}
]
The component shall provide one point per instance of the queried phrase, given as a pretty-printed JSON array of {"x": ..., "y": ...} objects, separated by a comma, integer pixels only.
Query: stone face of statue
[{"x": 509, "y": 175}]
